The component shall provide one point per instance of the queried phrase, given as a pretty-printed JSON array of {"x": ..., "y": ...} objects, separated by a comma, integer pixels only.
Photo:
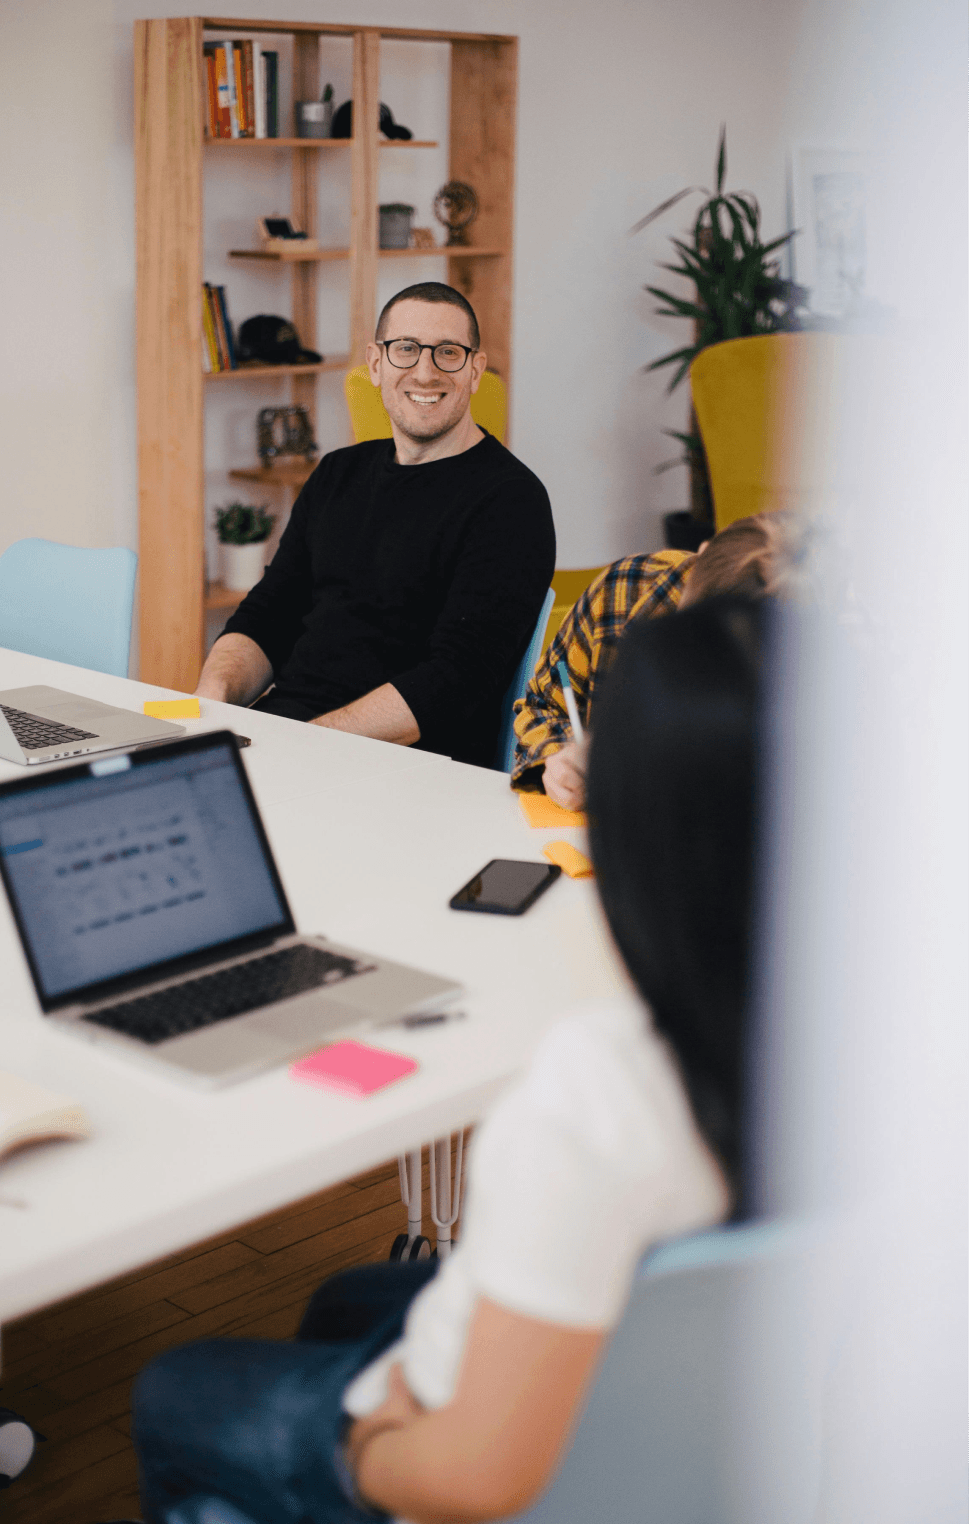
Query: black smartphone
[{"x": 505, "y": 887}]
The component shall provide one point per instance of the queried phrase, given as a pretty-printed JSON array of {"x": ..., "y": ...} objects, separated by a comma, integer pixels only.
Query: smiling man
[{"x": 412, "y": 570}]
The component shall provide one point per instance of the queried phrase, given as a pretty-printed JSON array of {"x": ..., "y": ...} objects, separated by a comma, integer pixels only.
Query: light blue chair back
[
  {"x": 68, "y": 603},
  {"x": 505, "y": 750},
  {"x": 666, "y": 1437}
]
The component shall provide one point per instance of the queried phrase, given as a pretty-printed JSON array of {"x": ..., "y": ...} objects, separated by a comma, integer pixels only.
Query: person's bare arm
[
  {"x": 492, "y": 1450},
  {"x": 564, "y": 775},
  {"x": 236, "y": 672},
  {"x": 381, "y": 714}
]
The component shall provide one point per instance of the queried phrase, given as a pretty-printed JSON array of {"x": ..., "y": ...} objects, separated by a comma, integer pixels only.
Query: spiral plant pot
[{"x": 242, "y": 565}]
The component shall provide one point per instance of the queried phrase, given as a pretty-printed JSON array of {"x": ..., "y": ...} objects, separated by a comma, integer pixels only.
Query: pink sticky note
[{"x": 352, "y": 1068}]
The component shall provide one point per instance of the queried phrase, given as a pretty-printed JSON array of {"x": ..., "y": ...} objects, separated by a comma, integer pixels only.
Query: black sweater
[{"x": 428, "y": 577}]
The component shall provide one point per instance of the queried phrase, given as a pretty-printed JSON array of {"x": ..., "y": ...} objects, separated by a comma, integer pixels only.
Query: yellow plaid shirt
[{"x": 647, "y": 585}]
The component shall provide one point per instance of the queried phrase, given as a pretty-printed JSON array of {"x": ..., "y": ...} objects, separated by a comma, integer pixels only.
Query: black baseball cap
[
  {"x": 274, "y": 341},
  {"x": 343, "y": 123}
]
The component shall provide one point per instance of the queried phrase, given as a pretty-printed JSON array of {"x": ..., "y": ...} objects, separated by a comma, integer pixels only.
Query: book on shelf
[
  {"x": 31, "y": 1114},
  {"x": 270, "y": 60},
  {"x": 230, "y": 347},
  {"x": 211, "y": 95},
  {"x": 218, "y": 341},
  {"x": 242, "y": 90},
  {"x": 258, "y": 77},
  {"x": 238, "y": 88},
  {"x": 210, "y": 347}
]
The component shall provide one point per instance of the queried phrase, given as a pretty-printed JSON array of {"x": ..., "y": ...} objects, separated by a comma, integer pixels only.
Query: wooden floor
[{"x": 69, "y": 1368}]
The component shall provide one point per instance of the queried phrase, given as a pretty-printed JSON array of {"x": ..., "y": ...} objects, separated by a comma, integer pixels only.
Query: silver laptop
[
  {"x": 42, "y": 724},
  {"x": 153, "y": 918}
]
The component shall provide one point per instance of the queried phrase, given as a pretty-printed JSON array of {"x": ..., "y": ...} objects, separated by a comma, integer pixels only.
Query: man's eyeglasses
[{"x": 405, "y": 353}]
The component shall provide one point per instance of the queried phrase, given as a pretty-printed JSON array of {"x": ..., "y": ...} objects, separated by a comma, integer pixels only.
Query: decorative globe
[{"x": 456, "y": 207}]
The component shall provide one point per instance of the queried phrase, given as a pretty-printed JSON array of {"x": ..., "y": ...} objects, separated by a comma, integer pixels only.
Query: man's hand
[
  {"x": 381, "y": 714},
  {"x": 564, "y": 776},
  {"x": 236, "y": 672}
]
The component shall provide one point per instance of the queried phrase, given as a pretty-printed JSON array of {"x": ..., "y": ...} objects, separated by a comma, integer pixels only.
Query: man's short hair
[
  {"x": 436, "y": 293},
  {"x": 756, "y": 557}
]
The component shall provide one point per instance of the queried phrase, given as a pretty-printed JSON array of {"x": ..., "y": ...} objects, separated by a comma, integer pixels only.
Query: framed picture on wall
[{"x": 828, "y": 206}]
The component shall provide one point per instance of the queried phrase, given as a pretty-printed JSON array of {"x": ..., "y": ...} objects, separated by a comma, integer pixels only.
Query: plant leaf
[
  {"x": 722, "y": 158},
  {"x": 664, "y": 206}
]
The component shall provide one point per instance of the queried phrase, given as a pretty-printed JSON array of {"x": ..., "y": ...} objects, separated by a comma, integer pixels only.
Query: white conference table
[{"x": 371, "y": 840}]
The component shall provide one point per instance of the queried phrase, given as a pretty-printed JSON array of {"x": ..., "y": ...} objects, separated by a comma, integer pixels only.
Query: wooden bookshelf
[
  {"x": 298, "y": 256},
  {"x": 293, "y": 473},
  {"x": 323, "y": 143},
  {"x": 169, "y": 153},
  {"x": 264, "y": 372},
  {"x": 449, "y": 251}
]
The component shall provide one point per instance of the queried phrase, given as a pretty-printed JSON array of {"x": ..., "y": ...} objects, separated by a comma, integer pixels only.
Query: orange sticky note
[
  {"x": 174, "y": 709},
  {"x": 540, "y": 812},
  {"x": 569, "y": 859}
]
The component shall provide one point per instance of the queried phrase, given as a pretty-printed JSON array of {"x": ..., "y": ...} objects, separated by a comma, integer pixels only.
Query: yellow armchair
[{"x": 764, "y": 407}]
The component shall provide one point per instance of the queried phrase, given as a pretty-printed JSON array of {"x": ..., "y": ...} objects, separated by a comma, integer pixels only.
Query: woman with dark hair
[{"x": 451, "y": 1396}]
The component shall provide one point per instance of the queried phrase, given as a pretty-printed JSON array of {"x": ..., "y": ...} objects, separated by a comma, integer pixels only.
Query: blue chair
[
  {"x": 68, "y": 603},
  {"x": 505, "y": 750},
  {"x": 706, "y": 1409}
]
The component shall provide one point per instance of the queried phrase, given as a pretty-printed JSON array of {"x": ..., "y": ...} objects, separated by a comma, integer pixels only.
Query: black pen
[{"x": 424, "y": 1019}]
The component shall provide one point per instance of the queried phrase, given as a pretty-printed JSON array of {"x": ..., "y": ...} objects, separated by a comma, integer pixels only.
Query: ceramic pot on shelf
[{"x": 242, "y": 565}]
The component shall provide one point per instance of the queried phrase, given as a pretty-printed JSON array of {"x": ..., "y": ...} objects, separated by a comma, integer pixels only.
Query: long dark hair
[{"x": 672, "y": 807}]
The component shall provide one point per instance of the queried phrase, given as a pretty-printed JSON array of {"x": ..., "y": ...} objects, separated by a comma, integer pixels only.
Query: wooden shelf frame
[
  {"x": 315, "y": 143},
  {"x": 270, "y": 372},
  {"x": 169, "y": 150}
]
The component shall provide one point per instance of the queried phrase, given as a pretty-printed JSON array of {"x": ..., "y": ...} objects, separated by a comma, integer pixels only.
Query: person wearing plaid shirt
[
  {"x": 650, "y": 585},
  {"x": 754, "y": 557}
]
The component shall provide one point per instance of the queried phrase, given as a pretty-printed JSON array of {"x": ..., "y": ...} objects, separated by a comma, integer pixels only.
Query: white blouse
[{"x": 585, "y": 1162}]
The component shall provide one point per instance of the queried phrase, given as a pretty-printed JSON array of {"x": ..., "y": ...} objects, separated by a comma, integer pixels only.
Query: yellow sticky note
[
  {"x": 540, "y": 812},
  {"x": 173, "y": 709},
  {"x": 569, "y": 859}
]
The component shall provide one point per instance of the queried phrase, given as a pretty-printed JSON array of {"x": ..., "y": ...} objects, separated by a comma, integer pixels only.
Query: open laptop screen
[{"x": 130, "y": 862}]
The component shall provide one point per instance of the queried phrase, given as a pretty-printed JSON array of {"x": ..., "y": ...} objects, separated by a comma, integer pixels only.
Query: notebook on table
[
  {"x": 42, "y": 724},
  {"x": 153, "y": 917}
]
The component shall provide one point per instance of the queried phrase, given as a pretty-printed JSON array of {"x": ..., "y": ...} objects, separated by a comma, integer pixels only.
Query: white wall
[{"x": 619, "y": 104}]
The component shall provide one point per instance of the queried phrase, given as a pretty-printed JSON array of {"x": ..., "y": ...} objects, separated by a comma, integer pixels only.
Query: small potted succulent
[{"x": 243, "y": 532}]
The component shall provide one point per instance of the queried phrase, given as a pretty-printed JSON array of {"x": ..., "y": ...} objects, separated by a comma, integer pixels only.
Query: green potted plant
[
  {"x": 738, "y": 292},
  {"x": 243, "y": 531}
]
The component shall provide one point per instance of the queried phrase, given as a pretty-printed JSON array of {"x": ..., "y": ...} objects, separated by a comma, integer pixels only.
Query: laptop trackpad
[{"x": 304, "y": 1020}]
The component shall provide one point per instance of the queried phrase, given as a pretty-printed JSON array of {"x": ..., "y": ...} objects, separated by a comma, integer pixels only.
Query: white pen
[{"x": 570, "y": 704}]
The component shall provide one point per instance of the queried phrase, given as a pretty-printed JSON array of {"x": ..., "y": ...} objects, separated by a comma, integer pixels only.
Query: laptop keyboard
[
  {"x": 230, "y": 992},
  {"x": 33, "y": 733}
]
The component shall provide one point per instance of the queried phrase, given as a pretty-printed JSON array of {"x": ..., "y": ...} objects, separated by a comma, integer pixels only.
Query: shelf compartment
[
  {"x": 314, "y": 256},
  {"x": 446, "y": 251},
  {"x": 260, "y": 372},
  {"x": 293, "y": 474},
  {"x": 316, "y": 142}
]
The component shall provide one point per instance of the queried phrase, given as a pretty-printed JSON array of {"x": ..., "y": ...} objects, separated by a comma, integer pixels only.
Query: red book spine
[{"x": 250, "y": 89}]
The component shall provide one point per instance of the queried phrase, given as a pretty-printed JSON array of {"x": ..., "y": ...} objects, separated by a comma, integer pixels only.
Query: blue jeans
[{"x": 257, "y": 1424}]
